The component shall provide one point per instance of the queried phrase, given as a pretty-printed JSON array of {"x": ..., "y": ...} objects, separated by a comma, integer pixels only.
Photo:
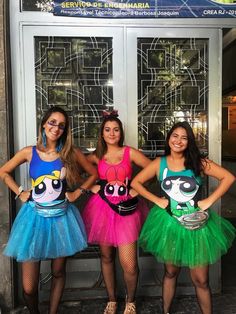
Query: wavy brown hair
[
  {"x": 67, "y": 154},
  {"x": 101, "y": 148}
]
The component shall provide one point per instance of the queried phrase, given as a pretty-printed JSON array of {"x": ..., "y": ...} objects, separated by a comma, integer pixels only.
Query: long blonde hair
[{"x": 67, "y": 153}]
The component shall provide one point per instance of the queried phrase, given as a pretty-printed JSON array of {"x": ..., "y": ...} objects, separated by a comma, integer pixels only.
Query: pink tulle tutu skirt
[{"x": 106, "y": 227}]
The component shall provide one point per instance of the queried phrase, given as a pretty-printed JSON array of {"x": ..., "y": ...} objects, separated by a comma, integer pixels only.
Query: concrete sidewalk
[{"x": 225, "y": 303}]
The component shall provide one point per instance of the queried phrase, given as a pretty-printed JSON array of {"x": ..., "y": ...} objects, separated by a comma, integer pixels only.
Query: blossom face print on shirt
[{"x": 116, "y": 188}]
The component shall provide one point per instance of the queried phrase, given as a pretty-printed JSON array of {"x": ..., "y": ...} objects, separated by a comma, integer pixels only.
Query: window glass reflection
[
  {"x": 76, "y": 74},
  {"x": 172, "y": 86}
]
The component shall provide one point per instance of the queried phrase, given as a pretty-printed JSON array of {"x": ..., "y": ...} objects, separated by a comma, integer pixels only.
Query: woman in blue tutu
[
  {"x": 181, "y": 230},
  {"x": 48, "y": 225}
]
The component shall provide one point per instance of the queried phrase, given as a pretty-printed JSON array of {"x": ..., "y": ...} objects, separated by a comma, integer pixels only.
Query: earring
[
  {"x": 59, "y": 146},
  {"x": 44, "y": 138}
]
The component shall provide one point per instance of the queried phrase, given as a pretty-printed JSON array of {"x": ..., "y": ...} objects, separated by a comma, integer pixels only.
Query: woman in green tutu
[{"x": 180, "y": 229}]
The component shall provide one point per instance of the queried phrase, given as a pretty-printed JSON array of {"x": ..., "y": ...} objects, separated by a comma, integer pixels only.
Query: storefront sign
[{"x": 147, "y": 8}]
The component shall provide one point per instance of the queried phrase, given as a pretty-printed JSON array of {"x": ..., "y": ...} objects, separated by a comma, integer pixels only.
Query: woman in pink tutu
[{"x": 114, "y": 216}]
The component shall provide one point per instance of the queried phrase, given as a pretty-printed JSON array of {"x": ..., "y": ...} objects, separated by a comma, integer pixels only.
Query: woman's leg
[
  {"x": 200, "y": 279},
  {"x": 169, "y": 286},
  {"x": 58, "y": 269},
  {"x": 108, "y": 270},
  {"x": 129, "y": 264},
  {"x": 30, "y": 281}
]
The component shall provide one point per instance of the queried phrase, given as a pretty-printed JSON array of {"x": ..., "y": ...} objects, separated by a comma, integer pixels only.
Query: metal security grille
[
  {"x": 172, "y": 86},
  {"x": 76, "y": 74}
]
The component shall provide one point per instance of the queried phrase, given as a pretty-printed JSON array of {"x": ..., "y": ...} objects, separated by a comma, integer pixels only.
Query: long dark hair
[
  {"x": 192, "y": 155},
  {"x": 67, "y": 153},
  {"x": 101, "y": 148}
]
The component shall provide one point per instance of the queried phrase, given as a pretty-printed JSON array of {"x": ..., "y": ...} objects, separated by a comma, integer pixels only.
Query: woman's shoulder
[
  {"x": 92, "y": 158},
  {"x": 24, "y": 153},
  {"x": 153, "y": 168},
  {"x": 157, "y": 160},
  {"x": 206, "y": 163},
  {"x": 133, "y": 153},
  {"x": 77, "y": 151},
  {"x": 27, "y": 150},
  {"x": 155, "y": 163},
  {"x": 209, "y": 166},
  {"x": 132, "y": 150}
]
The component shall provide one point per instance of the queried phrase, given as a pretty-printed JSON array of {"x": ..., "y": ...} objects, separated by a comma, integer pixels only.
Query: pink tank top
[{"x": 117, "y": 177}]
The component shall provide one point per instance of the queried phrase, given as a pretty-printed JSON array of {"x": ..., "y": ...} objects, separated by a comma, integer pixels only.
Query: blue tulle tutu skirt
[{"x": 37, "y": 237}]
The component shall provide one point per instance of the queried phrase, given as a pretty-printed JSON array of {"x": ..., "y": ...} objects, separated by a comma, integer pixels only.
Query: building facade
[{"x": 154, "y": 72}]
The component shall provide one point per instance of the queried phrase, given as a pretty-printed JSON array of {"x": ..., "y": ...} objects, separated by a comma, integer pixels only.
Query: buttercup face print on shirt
[{"x": 181, "y": 190}]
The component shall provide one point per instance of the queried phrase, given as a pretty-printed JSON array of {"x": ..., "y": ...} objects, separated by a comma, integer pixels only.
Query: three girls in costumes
[
  {"x": 181, "y": 229},
  {"x": 113, "y": 217},
  {"x": 48, "y": 225}
]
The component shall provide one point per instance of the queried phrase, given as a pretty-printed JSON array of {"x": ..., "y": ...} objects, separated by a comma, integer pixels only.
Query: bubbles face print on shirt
[{"x": 48, "y": 188}]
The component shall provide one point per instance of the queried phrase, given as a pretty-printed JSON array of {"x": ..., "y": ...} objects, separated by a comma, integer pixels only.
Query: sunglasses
[{"x": 60, "y": 125}]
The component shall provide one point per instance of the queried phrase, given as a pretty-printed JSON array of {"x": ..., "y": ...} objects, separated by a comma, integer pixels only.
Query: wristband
[
  {"x": 84, "y": 191},
  {"x": 20, "y": 190}
]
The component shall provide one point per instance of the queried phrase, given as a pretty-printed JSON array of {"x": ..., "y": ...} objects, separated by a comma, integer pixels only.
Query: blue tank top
[
  {"x": 48, "y": 179},
  {"x": 182, "y": 188}
]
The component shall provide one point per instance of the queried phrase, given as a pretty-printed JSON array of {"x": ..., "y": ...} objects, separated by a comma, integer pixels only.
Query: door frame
[
  {"x": 214, "y": 113},
  {"x": 33, "y": 23}
]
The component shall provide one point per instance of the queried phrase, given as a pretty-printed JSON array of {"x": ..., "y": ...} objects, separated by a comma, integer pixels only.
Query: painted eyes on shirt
[
  {"x": 111, "y": 189},
  {"x": 42, "y": 187},
  {"x": 188, "y": 185}
]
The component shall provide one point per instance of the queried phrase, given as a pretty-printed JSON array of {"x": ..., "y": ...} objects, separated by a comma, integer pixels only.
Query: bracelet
[
  {"x": 20, "y": 190},
  {"x": 84, "y": 191}
]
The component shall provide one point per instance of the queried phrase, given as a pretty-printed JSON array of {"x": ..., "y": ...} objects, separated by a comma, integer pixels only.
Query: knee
[
  {"x": 30, "y": 291},
  {"x": 200, "y": 283},
  {"x": 59, "y": 273},
  {"x": 171, "y": 274},
  {"x": 107, "y": 258},
  {"x": 130, "y": 269}
]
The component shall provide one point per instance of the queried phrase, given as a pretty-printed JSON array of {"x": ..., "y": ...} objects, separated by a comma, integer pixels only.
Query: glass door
[
  {"x": 81, "y": 70},
  {"x": 174, "y": 74},
  {"x": 153, "y": 76}
]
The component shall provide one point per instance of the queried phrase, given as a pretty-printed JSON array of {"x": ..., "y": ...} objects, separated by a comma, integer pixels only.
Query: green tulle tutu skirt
[{"x": 170, "y": 242}]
